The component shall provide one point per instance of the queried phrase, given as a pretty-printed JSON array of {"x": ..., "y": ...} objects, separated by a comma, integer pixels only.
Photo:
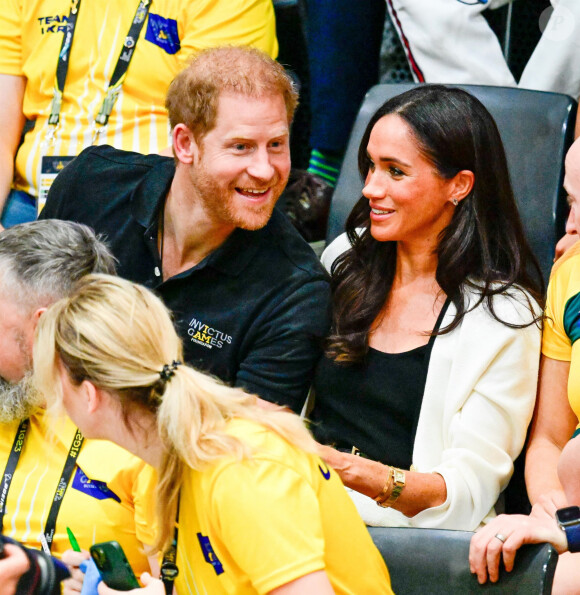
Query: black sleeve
[{"x": 279, "y": 366}]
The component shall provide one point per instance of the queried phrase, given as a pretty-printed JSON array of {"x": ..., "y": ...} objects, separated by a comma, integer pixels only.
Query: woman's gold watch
[{"x": 398, "y": 486}]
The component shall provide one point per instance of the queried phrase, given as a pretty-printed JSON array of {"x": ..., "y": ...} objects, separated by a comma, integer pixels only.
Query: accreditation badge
[{"x": 50, "y": 167}]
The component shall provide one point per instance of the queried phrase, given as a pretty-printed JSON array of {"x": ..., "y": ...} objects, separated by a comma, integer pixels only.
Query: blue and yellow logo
[
  {"x": 208, "y": 553},
  {"x": 163, "y": 32},
  {"x": 93, "y": 487}
]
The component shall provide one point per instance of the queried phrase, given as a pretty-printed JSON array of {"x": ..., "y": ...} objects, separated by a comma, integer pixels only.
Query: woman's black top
[{"x": 373, "y": 405}]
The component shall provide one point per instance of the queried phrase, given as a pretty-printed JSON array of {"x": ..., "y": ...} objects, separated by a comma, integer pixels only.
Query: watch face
[
  {"x": 399, "y": 476},
  {"x": 568, "y": 516}
]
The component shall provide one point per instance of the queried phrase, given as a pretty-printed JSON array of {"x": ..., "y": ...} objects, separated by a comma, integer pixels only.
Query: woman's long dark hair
[{"x": 483, "y": 248}]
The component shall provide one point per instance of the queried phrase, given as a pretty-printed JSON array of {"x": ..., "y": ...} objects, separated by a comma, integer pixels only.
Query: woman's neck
[
  {"x": 415, "y": 264},
  {"x": 413, "y": 304},
  {"x": 141, "y": 438}
]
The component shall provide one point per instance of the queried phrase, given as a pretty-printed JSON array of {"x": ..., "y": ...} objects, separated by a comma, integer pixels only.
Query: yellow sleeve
[
  {"x": 555, "y": 343},
  {"x": 144, "y": 498},
  {"x": 273, "y": 507},
  {"x": 129, "y": 477},
  {"x": 564, "y": 284},
  {"x": 10, "y": 37},
  {"x": 236, "y": 22}
]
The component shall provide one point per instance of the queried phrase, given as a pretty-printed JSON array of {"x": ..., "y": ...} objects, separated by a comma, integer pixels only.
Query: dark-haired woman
[{"x": 431, "y": 368}]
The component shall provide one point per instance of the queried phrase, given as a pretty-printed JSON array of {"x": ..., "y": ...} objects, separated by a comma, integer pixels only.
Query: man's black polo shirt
[{"x": 252, "y": 313}]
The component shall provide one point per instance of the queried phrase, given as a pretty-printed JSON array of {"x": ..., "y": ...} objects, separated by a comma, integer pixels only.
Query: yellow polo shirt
[
  {"x": 250, "y": 526},
  {"x": 106, "y": 493},
  {"x": 31, "y": 33},
  {"x": 562, "y": 323}
]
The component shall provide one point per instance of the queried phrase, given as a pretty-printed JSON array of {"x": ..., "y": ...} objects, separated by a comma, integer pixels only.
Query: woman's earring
[{"x": 455, "y": 202}]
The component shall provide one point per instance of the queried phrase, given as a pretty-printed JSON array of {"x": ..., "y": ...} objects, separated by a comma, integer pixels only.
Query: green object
[
  {"x": 73, "y": 540},
  {"x": 325, "y": 166},
  {"x": 113, "y": 566}
]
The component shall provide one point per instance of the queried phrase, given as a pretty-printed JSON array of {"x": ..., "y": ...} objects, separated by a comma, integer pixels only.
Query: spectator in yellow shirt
[{"x": 120, "y": 58}]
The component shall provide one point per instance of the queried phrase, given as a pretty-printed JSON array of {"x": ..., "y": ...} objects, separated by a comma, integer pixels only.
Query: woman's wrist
[
  {"x": 396, "y": 484},
  {"x": 387, "y": 489}
]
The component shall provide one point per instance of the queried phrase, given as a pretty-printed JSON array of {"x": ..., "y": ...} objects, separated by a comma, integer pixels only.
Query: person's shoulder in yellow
[
  {"x": 99, "y": 501},
  {"x": 320, "y": 528},
  {"x": 561, "y": 305},
  {"x": 568, "y": 261}
]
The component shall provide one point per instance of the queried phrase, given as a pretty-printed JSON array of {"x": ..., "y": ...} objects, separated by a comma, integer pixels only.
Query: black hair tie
[{"x": 169, "y": 370}]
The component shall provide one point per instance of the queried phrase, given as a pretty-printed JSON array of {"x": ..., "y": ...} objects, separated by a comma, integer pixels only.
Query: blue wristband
[
  {"x": 569, "y": 521},
  {"x": 573, "y": 537}
]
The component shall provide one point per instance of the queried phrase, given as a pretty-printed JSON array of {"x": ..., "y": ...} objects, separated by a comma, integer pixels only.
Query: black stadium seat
[{"x": 435, "y": 561}]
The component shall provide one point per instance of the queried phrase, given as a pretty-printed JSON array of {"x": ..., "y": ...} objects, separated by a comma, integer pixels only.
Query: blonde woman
[{"x": 257, "y": 510}]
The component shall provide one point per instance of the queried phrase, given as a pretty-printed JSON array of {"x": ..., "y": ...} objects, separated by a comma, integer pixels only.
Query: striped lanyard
[{"x": 119, "y": 74}]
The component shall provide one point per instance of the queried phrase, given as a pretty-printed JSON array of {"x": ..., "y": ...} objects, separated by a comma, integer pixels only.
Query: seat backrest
[
  {"x": 435, "y": 561},
  {"x": 536, "y": 128}
]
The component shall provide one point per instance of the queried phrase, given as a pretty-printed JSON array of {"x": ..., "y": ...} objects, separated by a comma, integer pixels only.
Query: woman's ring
[{"x": 501, "y": 537}]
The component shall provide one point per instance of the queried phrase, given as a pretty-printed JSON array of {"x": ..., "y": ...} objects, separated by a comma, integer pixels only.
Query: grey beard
[{"x": 18, "y": 400}]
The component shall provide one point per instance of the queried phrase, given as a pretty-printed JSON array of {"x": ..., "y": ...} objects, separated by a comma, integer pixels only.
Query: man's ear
[
  {"x": 36, "y": 315},
  {"x": 185, "y": 146},
  {"x": 31, "y": 328},
  {"x": 461, "y": 185}
]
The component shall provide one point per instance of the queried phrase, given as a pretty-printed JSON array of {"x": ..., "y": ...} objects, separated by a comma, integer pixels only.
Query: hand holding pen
[{"x": 73, "y": 559}]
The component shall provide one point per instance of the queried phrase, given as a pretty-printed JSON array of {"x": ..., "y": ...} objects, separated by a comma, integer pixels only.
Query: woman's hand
[
  {"x": 74, "y": 584},
  {"x": 504, "y": 536},
  {"x": 153, "y": 586},
  {"x": 422, "y": 490},
  {"x": 331, "y": 456},
  {"x": 358, "y": 473},
  {"x": 12, "y": 567}
]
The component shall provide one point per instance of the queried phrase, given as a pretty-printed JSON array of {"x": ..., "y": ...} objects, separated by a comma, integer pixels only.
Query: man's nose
[
  {"x": 261, "y": 166},
  {"x": 571, "y": 221}
]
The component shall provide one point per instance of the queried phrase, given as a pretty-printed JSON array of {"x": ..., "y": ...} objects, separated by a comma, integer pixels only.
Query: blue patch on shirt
[
  {"x": 92, "y": 487},
  {"x": 209, "y": 555},
  {"x": 163, "y": 32}
]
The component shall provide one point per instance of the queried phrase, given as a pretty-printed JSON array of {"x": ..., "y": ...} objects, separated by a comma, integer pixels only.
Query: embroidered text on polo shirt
[{"x": 205, "y": 335}]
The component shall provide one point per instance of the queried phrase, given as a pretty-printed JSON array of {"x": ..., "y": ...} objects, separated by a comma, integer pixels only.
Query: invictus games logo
[{"x": 205, "y": 335}]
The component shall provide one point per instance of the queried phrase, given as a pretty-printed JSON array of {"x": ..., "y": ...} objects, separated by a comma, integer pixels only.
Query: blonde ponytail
[
  {"x": 192, "y": 421},
  {"x": 119, "y": 336}
]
